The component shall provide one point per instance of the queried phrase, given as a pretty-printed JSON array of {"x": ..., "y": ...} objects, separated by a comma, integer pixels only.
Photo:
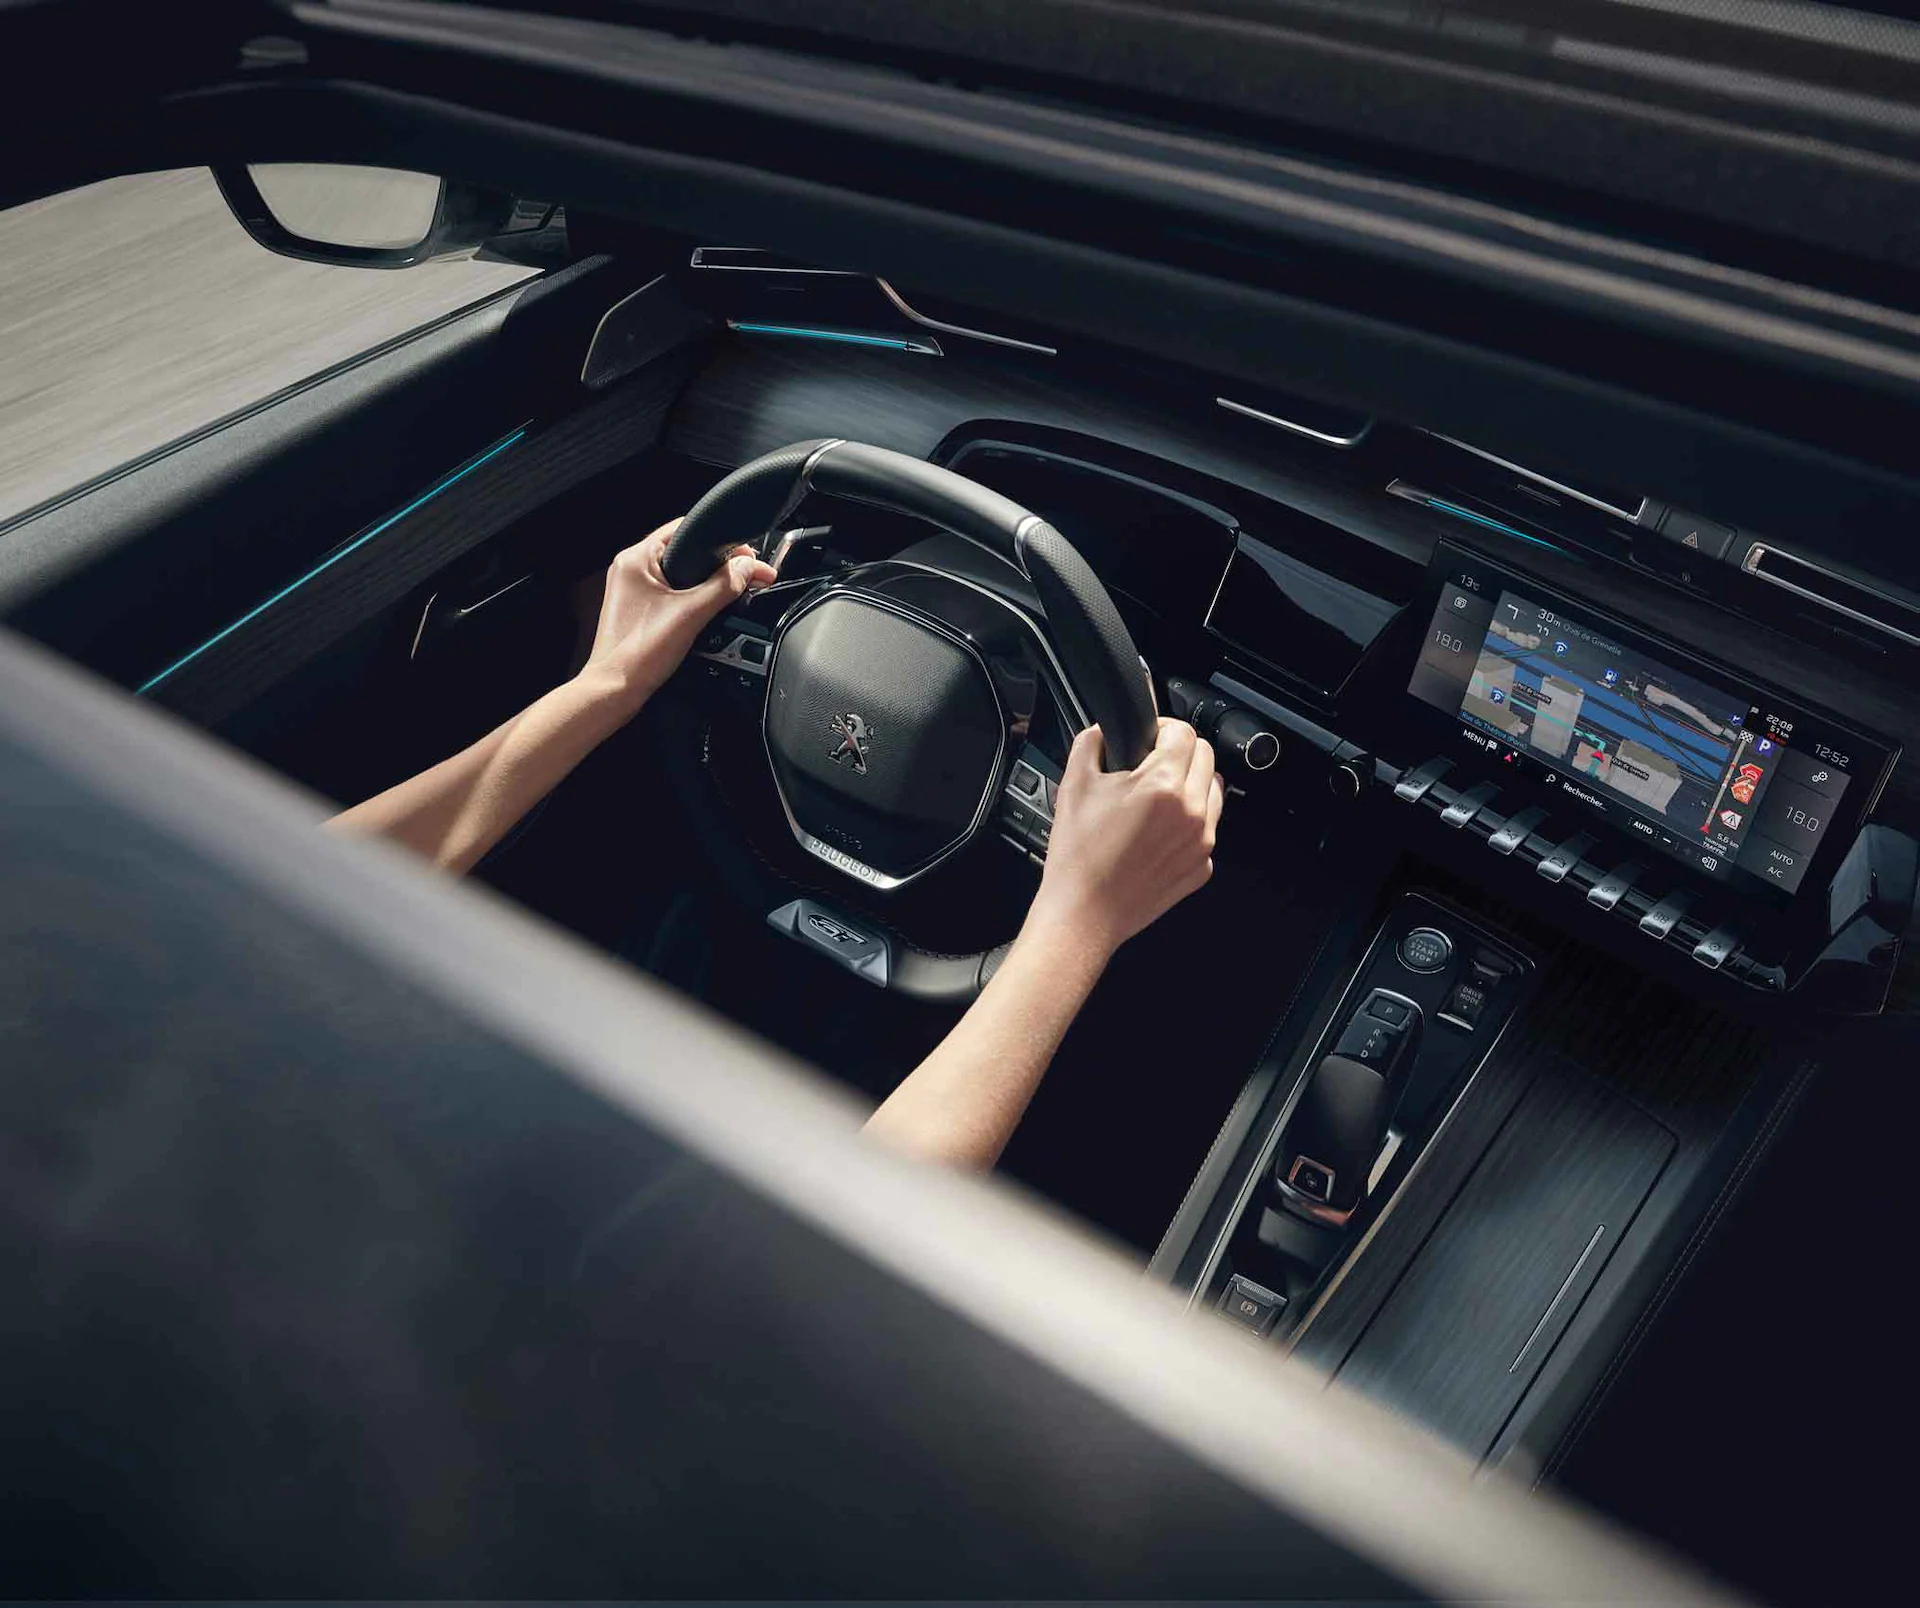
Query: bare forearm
[
  {"x": 455, "y": 812},
  {"x": 962, "y": 1103}
]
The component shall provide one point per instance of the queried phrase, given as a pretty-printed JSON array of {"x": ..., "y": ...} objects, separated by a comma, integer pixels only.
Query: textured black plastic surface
[
  {"x": 741, "y": 508},
  {"x": 932, "y": 733}
]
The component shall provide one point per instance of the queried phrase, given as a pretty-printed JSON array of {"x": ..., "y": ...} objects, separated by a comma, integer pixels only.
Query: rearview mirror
[{"x": 369, "y": 217}]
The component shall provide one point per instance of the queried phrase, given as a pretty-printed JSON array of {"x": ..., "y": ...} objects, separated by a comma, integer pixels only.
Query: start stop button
[{"x": 1425, "y": 949}]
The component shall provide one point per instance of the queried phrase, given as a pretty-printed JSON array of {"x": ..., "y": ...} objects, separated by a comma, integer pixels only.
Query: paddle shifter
[{"x": 1334, "y": 1135}]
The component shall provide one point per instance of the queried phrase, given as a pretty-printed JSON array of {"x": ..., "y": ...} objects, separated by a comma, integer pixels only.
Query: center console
[{"x": 1430, "y": 997}]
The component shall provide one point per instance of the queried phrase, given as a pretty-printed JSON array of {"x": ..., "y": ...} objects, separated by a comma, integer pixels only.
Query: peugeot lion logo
[{"x": 854, "y": 734}]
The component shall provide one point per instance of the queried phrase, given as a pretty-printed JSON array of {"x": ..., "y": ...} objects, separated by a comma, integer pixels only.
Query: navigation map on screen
[
  {"x": 1715, "y": 778},
  {"x": 1660, "y": 739}
]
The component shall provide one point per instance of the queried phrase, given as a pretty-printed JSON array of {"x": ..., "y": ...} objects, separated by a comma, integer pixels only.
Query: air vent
[{"x": 1864, "y": 605}]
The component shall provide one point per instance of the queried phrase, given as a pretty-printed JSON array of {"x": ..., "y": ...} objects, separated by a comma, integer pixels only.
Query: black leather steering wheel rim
[{"x": 1095, "y": 648}]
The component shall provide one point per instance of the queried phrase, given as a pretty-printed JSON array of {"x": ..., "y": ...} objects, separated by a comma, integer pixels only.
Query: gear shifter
[{"x": 1340, "y": 1122}]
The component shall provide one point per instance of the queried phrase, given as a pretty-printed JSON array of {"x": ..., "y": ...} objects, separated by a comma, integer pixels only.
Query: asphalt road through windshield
[{"x": 136, "y": 311}]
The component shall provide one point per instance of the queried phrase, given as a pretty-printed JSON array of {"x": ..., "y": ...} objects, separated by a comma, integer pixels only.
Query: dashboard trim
[
  {"x": 1344, "y": 443},
  {"x": 939, "y": 325},
  {"x": 1542, "y": 480},
  {"x": 1750, "y": 565}
]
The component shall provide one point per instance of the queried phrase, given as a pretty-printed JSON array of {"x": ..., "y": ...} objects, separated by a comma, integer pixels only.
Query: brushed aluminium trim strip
[
  {"x": 943, "y": 328},
  {"x": 1542, "y": 480},
  {"x": 1344, "y": 443},
  {"x": 1759, "y": 550},
  {"x": 1560, "y": 1295},
  {"x": 698, "y": 260}
]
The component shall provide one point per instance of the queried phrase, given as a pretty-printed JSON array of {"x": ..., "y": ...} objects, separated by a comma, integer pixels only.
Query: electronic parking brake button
[{"x": 1253, "y": 1306}]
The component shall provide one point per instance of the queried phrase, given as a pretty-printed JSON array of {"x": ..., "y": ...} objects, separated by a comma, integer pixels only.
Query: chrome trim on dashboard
[
  {"x": 698, "y": 260},
  {"x": 1344, "y": 443},
  {"x": 1759, "y": 550},
  {"x": 900, "y": 302},
  {"x": 1542, "y": 480},
  {"x": 839, "y": 859}
]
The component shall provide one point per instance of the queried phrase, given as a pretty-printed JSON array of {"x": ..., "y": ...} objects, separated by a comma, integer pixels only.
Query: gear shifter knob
[
  {"x": 1340, "y": 1121},
  {"x": 1331, "y": 1141}
]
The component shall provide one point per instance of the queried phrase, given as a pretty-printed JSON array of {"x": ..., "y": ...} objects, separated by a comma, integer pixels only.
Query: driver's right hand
[{"x": 1128, "y": 846}]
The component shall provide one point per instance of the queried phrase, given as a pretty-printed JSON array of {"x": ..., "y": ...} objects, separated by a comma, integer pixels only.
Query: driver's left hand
[{"x": 646, "y": 628}]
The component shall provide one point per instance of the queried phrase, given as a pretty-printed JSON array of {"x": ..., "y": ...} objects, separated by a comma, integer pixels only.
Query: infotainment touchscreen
[{"x": 1714, "y": 773}]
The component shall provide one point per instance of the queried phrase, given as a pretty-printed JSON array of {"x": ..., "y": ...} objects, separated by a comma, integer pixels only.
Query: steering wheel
[{"x": 888, "y": 725}]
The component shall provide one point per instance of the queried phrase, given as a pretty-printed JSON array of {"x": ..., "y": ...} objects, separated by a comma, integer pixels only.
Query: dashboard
[{"x": 1625, "y": 698}]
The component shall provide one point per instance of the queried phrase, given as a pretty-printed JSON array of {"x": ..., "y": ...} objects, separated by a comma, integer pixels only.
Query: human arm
[
  {"x": 1125, "y": 849},
  {"x": 456, "y": 811}
]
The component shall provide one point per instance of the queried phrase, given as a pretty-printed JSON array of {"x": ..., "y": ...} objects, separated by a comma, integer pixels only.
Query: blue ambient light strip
[
  {"x": 845, "y": 337},
  {"x": 1491, "y": 524},
  {"x": 334, "y": 557}
]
